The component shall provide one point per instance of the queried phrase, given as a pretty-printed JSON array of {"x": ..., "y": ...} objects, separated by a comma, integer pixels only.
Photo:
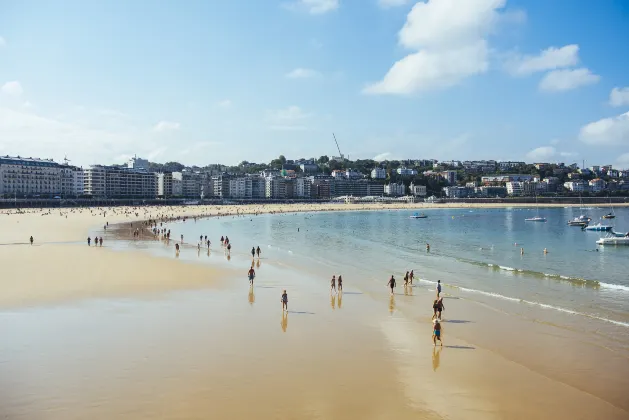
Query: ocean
[{"x": 474, "y": 252}]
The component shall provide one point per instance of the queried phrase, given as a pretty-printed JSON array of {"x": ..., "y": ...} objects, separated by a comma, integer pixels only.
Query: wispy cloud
[
  {"x": 166, "y": 126},
  {"x": 302, "y": 73},
  {"x": 619, "y": 96},
  {"x": 314, "y": 7},
  {"x": 549, "y": 59},
  {"x": 568, "y": 79},
  {"x": 13, "y": 88},
  {"x": 225, "y": 103},
  {"x": 290, "y": 118},
  {"x": 3, "y": 42}
]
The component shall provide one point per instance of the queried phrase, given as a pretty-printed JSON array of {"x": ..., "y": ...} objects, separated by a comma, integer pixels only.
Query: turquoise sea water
[{"x": 473, "y": 252}]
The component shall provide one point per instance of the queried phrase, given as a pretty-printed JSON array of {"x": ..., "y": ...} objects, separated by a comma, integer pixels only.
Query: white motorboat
[
  {"x": 535, "y": 219},
  {"x": 599, "y": 227},
  {"x": 580, "y": 221},
  {"x": 614, "y": 240},
  {"x": 418, "y": 216}
]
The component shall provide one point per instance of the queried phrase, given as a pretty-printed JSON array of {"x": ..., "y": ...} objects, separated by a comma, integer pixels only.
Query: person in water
[
  {"x": 411, "y": 276},
  {"x": 436, "y": 332},
  {"x": 284, "y": 301},
  {"x": 391, "y": 284},
  {"x": 438, "y": 288}
]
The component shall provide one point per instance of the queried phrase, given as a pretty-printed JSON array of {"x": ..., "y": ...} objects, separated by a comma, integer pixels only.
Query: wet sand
[{"x": 101, "y": 334}]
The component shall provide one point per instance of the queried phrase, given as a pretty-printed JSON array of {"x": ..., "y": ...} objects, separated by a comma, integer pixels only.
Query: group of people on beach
[{"x": 97, "y": 241}]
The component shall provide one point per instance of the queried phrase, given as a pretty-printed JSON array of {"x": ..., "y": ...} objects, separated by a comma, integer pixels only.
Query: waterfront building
[
  {"x": 418, "y": 190},
  {"x": 29, "y": 177},
  {"x": 165, "y": 184},
  {"x": 119, "y": 182},
  {"x": 394, "y": 189}
]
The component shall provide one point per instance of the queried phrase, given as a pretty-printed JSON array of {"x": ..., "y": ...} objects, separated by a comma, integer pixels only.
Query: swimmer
[{"x": 545, "y": 251}]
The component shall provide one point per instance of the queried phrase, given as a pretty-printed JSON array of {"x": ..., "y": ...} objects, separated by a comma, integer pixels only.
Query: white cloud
[
  {"x": 291, "y": 118},
  {"x": 550, "y": 59},
  {"x": 562, "y": 80},
  {"x": 166, "y": 126},
  {"x": 382, "y": 156},
  {"x": 386, "y": 4},
  {"x": 607, "y": 131},
  {"x": 13, "y": 88},
  {"x": 449, "y": 40},
  {"x": 225, "y": 103},
  {"x": 301, "y": 73},
  {"x": 619, "y": 96},
  {"x": 3, "y": 42},
  {"x": 543, "y": 153},
  {"x": 568, "y": 154},
  {"x": 314, "y": 7}
]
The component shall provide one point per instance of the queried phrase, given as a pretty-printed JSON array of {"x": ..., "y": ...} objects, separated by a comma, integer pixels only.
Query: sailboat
[
  {"x": 537, "y": 218},
  {"x": 582, "y": 220},
  {"x": 611, "y": 214}
]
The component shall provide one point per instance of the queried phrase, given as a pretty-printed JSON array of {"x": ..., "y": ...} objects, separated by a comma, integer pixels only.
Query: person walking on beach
[
  {"x": 411, "y": 276},
  {"x": 258, "y": 252},
  {"x": 406, "y": 279},
  {"x": 391, "y": 284},
  {"x": 32, "y": 240},
  {"x": 253, "y": 252},
  {"x": 229, "y": 249},
  {"x": 251, "y": 275},
  {"x": 436, "y": 332},
  {"x": 284, "y": 301},
  {"x": 89, "y": 241},
  {"x": 438, "y": 288},
  {"x": 340, "y": 282},
  {"x": 177, "y": 248},
  {"x": 222, "y": 240},
  {"x": 101, "y": 241},
  {"x": 333, "y": 284},
  {"x": 440, "y": 307},
  {"x": 208, "y": 243}
]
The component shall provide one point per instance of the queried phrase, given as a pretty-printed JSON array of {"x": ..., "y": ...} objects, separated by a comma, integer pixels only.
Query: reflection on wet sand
[
  {"x": 436, "y": 353},
  {"x": 284, "y": 321},
  {"x": 252, "y": 296},
  {"x": 391, "y": 304},
  {"x": 340, "y": 299},
  {"x": 333, "y": 301},
  {"x": 258, "y": 263}
]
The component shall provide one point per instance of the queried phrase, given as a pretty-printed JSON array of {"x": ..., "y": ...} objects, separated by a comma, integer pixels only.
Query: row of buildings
[{"x": 30, "y": 177}]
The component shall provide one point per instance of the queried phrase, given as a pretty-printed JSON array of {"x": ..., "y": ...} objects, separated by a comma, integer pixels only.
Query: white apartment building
[
  {"x": 277, "y": 187},
  {"x": 449, "y": 176},
  {"x": 190, "y": 183},
  {"x": 71, "y": 181},
  {"x": 576, "y": 186},
  {"x": 352, "y": 174},
  {"x": 378, "y": 173},
  {"x": 302, "y": 188},
  {"x": 137, "y": 163},
  {"x": 597, "y": 185},
  {"x": 177, "y": 188},
  {"x": 418, "y": 190},
  {"x": 165, "y": 184},
  {"x": 406, "y": 171},
  {"x": 29, "y": 177},
  {"x": 241, "y": 187},
  {"x": 394, "y": 189},
  {"x": 119, "y": 182}
]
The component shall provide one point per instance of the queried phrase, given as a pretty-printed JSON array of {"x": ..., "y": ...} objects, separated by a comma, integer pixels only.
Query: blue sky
[{"x": 223, "y": 81}]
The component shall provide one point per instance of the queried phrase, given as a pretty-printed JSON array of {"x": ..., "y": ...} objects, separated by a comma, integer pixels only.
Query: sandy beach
[{"x": 107, "y": 332}]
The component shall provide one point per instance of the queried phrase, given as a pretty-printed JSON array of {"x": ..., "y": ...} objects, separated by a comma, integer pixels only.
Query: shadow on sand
[
  {"x": 457, "y": 321},
  {"x": 460, "y": 347},
  {"x": 301, "y": 312}
]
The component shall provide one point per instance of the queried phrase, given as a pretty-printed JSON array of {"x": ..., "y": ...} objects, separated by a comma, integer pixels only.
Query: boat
[
  {"x": 609, "y": 216},
  {"x": 537, "y": 218},
  {"x": 599, "y": 227},
  {"x": 580, "y": 221},
  {"x": 418, "y": 216},
  {"x": 614, "y": 240}
]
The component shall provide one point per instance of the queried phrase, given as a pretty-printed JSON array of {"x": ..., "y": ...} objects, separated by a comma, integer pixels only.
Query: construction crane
[{"x": 339, "y": 149}]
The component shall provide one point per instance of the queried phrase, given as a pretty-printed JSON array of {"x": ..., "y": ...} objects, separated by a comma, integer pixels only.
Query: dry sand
[{"x": 205, "y": 352}]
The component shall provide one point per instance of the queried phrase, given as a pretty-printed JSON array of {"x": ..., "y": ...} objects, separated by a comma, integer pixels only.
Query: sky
[{"x": 215, "y": 81}]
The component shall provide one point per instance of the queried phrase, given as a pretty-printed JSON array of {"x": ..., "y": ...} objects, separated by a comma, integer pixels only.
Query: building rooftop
[{"x": 18, "y": 160}]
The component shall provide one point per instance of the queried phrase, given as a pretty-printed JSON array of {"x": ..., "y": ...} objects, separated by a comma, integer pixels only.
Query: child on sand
[{"x": 284, "y": 301}]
